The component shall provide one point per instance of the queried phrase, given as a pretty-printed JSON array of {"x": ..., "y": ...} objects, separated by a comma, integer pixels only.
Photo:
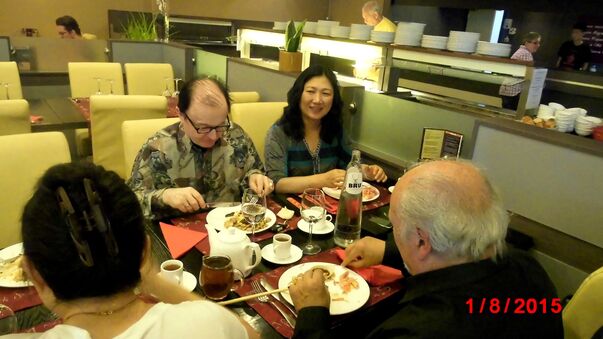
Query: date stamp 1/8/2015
[{"x": 513, "y": 306}]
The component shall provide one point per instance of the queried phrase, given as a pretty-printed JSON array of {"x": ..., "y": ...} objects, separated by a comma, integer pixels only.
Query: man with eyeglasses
[
  {"x": 511, "y": 88},
  {"x": 202, "y": 158}
]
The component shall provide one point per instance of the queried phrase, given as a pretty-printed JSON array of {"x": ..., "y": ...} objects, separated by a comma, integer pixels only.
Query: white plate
[
  {"x": 352, "y": 300},
  {"x": 217, "y": 217},
  {"x": 325, "y": 229},
  {"x": 189, "y": 282},
  {"x": 268, "y": 254},
  {"x": 11, "y": 252},
  {"x": 335, "y": 192}
]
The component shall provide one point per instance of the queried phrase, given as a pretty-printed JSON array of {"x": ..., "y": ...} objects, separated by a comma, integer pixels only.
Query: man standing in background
[
  {"x": 574, "y": 54},
  {"x": 372, "y": 13}
]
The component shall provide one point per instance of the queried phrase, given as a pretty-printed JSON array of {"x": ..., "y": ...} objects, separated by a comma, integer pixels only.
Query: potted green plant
[
  {"x": 289, "y": 58},
  {"x": 139, "y": 27}
]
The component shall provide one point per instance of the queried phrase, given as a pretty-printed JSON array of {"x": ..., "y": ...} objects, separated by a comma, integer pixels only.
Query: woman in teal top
[{"x": 307, "y": 146}]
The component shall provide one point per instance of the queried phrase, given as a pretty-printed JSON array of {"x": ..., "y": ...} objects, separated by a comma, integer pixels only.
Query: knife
[
  {"x": 221, "y": 204},
  {"x": 265, "y": 284}
]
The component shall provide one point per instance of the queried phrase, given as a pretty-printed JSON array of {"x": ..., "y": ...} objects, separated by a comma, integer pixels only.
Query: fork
[{"x": 265, "y": 299}]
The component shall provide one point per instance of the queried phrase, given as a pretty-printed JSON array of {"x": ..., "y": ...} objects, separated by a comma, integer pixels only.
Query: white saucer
[
  {"x": 391, "y": 189},
  {"x": 189, "y": 282},
  {"x": 268, "y": 254},
  {"x": 325, "y": 229}
]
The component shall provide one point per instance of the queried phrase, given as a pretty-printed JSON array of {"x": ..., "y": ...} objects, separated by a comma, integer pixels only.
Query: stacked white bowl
[
  {"x": 434, "y": 41},
  {"x": 565, "y": 120},
  {"x": 556, "y": 107},
  {"x": 324, "y": 26},
  {"x": 585, "y": 125},
  {"x": 280, "y": 25},
  {"x": 360, "y": 32},
  {"x": 459, "y": 41},
  {"x": 310, "y": 27},
  {"x": 340, "y": 31},
  {"x": 493, "y": 49},
  {"x": 409, "y": 33},
  {"x": 546, "y": 112},
  {"x": 385, "y": 37}
]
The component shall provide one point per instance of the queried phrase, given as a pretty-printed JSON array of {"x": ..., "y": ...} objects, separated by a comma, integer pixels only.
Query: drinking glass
[
  {"x": 253, "y": 208},
  {"x": 217, "y": 276},
  {"x": 167, "y": 92},
  {"x": 6, "y": 84},
  {"x": 98, "y": 85},
  {"x": 111, "y": 81},
  {"x": 176, "y": 87},
  {"x": 312, "y": 210},
  {"x": 8, "y": 320}
]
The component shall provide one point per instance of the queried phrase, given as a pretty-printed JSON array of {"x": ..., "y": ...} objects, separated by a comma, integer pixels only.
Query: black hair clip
[
  {"x": 75, "y": 229},
  {"x": 100, "y": 219}
]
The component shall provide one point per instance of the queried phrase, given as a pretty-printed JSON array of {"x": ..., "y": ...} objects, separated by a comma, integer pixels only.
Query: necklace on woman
[
  {"x": 101, "y": 313},
  {"x": 314, "y": 154}
]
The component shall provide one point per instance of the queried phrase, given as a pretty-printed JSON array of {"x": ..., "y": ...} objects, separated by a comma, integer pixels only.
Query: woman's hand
[
  {"x": 374, "y": 173},
  {"x": 333, "y": 178}
]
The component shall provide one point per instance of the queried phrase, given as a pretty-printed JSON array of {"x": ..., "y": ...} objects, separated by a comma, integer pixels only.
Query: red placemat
[
  {"x": 271, "y": 315},
  {"x": 197, "y": 223},
  {"x": 83, "y": 105},
  {"x": 331, "y": 204},
  {"x": 19, "y": 298}
]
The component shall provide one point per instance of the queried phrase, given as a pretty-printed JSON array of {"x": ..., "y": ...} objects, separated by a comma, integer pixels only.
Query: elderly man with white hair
[
  {"x": 372, "y": 13},
  {"x": 449, "y": 227}
]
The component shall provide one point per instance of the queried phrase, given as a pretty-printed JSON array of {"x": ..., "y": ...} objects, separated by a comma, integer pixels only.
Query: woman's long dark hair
[{"x": 292, "y": 122}]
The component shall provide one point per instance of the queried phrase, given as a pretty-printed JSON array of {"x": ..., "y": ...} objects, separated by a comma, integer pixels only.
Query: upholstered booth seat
[
  {"x": 149, "y": 78},
  {"x": 14, "y": 117},
  {"x": 583, "y": 315},
  {"x": 244, "y": 97},
  {"x": 9, "y": 74}
]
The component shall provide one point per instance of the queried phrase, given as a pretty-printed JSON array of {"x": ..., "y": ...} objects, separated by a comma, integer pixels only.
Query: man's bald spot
[{"x": 206, "y": 92}]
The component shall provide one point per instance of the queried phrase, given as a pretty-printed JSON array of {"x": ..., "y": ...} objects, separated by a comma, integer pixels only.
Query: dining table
[{"x": 383, "y": 299}]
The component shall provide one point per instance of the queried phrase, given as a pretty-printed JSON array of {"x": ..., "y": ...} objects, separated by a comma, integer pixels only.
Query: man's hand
[
  {"x": 374, "y": 173},
  {"x": 310, "y": 290},
  {"x": 365, "y": 252},
  {"x": 261, "y": 184},
  {"x": 185, "y": 199},
  {"x": 333, "y": 178}
]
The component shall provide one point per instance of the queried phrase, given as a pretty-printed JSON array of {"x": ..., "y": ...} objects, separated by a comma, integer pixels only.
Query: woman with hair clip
[
  {"x": 86, "y": 252},
  {"x": 307, "y": 146}
]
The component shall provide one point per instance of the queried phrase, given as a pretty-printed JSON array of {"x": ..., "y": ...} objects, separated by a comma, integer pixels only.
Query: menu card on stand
[
  {"x": 440, "y": 143},
  {"x": 536, "y": 87}
]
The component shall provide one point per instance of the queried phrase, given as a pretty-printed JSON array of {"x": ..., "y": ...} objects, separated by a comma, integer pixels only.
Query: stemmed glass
[
  {"x": 312, "y": 210},
  {"x": 5, "y": 84},
  {"x": 8, "y": 320},
  {"x": 111, "y": 81},
  {"x": 98, "y": 86},
  {"x": 167, "y": 92},
  {"x": 176, "y": 91},
  {"x": 253, "y": 208}
]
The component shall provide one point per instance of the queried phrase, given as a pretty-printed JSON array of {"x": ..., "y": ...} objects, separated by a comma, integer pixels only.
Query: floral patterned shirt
[{"x": 170, "y": 159}]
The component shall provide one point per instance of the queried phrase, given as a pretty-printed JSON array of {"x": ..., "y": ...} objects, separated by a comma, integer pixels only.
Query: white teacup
[
  {"x": 172, "y": 270},
  {"x": 281, "y": 245},
  {"x": 323, "y": 223}
]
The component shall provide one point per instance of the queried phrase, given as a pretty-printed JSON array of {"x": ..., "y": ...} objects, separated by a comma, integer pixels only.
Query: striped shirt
[{"x": 286, "y": 157}]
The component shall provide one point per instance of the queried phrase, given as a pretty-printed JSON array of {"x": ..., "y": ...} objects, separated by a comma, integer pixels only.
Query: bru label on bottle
[{"x": 354, "y": 182}]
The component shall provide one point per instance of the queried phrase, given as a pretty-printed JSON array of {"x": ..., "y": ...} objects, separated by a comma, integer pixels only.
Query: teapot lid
[{"x": 232, "y": 235}]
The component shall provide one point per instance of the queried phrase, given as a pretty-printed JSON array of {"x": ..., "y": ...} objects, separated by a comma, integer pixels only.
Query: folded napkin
[
  {"x": 179, "y": 240},
  {"x": 34, "y": 119},
  {"x": 376, "y": 275}
]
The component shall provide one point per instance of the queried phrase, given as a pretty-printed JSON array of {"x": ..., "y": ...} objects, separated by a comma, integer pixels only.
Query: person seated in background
[
  {"x": 68, "y": 28},
  {"x": 307, "y": 146},
  {"x": 510, "y": 89},
  {"x": 203, "y": 158},
  {"x": 574, "y": 54},
  {"x": 87, "y": 254},
  {"x": 372, "y": 13},
  {"x": 449, "y": 227}
]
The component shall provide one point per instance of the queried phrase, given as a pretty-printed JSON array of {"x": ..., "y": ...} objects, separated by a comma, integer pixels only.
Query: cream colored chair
[
  {"x": 244, "y": 97},
  {"x": 583, "y": 315},
  {"x": 9, "y": 74},
  {"x": 107, "y": 113},
  {"x": 14, "y": 117},
  {"x": 149, "y": 79},
  {"x": 30, "y": 156},
  {"x": 136, "y": 132},
  {"x": 256, "y": 118},
  {"x": 83, "y": 80}
]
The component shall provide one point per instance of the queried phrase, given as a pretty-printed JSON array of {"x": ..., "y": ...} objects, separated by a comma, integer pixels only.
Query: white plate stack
[
  {"x": 280, "y": 25},
  {"x": 384, "y": 37},
  {"x": 409, "y": 33},
  {"x": 585, "y": 125},
  {"x": 493, "y": 49},
  {"x": 340, "y": 32},
  {"x": 459, "y": 41},
  {"x": 546, "y": 112},
  {"x": 310, "y": 27},
  {"x": 565, "y": 120},
  {"x": 324, "y": 26},
  {"x": 556, "y": 107},
  {"x": 434, "y": 41},
  {"x": 360, "y": 32}
]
